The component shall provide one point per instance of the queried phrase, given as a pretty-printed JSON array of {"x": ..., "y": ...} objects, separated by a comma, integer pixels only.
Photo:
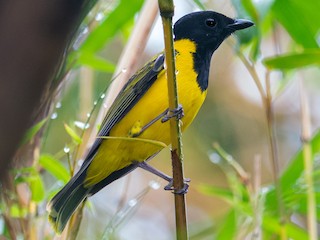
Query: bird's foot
[
  {"x": 182, "y": 190},
  {"x": 177, "y": 112}
]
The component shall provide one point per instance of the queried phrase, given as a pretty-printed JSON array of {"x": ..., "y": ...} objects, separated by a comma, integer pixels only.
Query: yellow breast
[{"x": 116, "y": 154}]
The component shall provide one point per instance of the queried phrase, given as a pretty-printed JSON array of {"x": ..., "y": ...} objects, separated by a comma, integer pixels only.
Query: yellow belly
[{"x": 115, "y": 154}]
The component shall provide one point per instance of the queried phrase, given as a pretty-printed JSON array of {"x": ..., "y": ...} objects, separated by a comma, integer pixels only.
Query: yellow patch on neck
[{"x": 185, "y": 46}]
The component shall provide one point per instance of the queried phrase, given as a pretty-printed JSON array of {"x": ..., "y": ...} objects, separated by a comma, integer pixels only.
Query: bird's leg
[
  {"x": 150, "y": 123},
  {"x": 164, "y": 116},
  {"x": 144, "y": 165},
  {"x": 155, "y": 171}
]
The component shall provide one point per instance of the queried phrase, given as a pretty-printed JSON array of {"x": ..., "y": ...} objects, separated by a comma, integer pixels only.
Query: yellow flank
[{"x": 114, "y": 154}]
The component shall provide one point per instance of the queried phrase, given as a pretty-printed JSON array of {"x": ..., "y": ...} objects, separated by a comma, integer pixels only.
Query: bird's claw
[
  {"x": 177, "y": 112},
  {"x": 182, "y": 190}
]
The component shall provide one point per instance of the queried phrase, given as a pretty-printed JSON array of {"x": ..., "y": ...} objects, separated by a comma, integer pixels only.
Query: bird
[{"x": 136, "y": 126}]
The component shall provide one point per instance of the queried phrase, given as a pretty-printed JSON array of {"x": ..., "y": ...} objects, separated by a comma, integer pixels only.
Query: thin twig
[
  {"x": 308, "y": 164},
  {"x": 166, "y": 11},
  {"x": 235, "y": 165},
  {"x": 266, "y": 97},
  {"x": 251, "y": 69}
]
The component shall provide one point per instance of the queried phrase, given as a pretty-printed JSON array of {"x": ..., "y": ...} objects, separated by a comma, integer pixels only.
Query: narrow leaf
[
  {"x": 251, "y": 9},
  {"x": 223, "y": 193},
  {"x": 75, "y": 137},
  {"x": 245, "y": 9},
  {"x": 292, "y": 173},
  {"x": 95, "y": 62},
  {"x": 111, "y": 25},
  {"x": 36, "y": 187},
  {"x": 294, "y": 60},
  {"x": 272, "y": 224},
  {"x": 17, "y": 211},
  {"x": 228, "y": 228},
  {"x": 31, "y": 132},
  {"x": 300, "y": 19},
  {"x": 54, "y": 167},
  {"x": 296, "y": 167}
]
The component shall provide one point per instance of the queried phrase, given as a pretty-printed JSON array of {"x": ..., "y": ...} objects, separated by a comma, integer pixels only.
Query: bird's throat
[
  {"x": 202, "y": 59},
  {"x": 195, "y": 58}
]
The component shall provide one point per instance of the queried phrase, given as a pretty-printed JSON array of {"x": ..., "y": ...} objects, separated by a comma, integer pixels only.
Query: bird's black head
[{"x": 208, "y": 28}]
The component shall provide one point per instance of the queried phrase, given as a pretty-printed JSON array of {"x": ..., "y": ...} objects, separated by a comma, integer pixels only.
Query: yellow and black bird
[{"x": 140, "y": 111}]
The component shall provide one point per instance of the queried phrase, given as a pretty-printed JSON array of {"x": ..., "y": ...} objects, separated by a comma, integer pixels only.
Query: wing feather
[{"x": 129, "y": 95}]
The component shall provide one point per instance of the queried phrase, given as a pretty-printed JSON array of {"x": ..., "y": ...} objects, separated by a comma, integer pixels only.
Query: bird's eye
[{"x": 211, "y": 22}]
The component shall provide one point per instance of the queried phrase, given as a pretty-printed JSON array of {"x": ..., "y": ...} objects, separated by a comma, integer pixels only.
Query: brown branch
[{"x": 166, "y": 11}]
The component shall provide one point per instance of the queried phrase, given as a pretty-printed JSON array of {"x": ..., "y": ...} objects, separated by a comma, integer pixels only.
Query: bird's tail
[{"x": 62, "y": 205}]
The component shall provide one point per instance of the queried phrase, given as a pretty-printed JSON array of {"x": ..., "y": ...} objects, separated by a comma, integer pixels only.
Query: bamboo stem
[
  {"x": 166, "y": 11},
  {"x": 308, "y": 164}
]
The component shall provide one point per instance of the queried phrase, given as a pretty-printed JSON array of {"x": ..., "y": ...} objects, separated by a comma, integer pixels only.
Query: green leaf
[
  {"x": 223, "y": 193},
  {"x": 291, "y": 175},
  {"x": 250, "y": 9},
  {"x": 255, "y": 48},
  {"x": 122, "y": 13},
  {"x": 294, "y": 60},
  {"x": 95, "y": 62},
  {"x": 302, "y": 204},
  {"x": 54, "y": 167},
  {"x": 18, "y": 212},
  {"x": 31, "y": 132},
  {"x": 31, "y": 176},
  {"x": 246, "y": 9},
  {"x": 36, "y": 187},
  {"x": 272, "y": 224},
  {"x": 300, "y": 19},
  {"x": 238, "y": 200},
  {"x": 75, "y": 137},
  {"x": 296, "y": 166},
  {"x": 256, "y": 10},
  {"x": 228, "y": 229}
]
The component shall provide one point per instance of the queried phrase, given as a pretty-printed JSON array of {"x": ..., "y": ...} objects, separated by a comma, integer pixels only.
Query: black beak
[{"x": 239, "y": 24}]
